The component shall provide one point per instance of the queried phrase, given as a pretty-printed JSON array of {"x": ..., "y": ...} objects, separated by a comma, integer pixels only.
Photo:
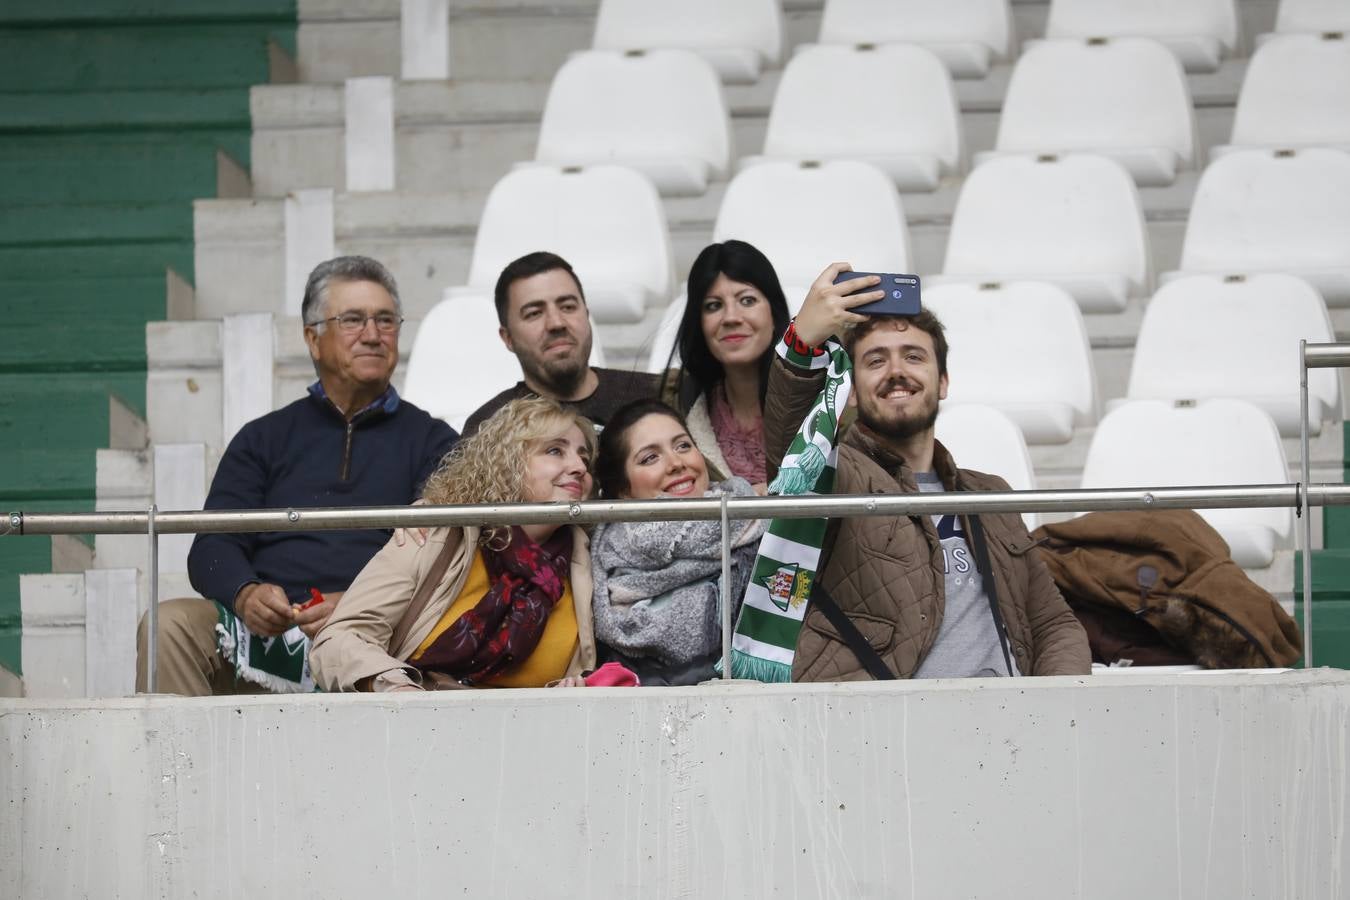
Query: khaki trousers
[{"x": 190, "y": 663}]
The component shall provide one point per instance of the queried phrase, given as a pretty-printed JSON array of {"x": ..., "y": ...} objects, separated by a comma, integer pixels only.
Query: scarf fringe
[
  {"x": 274, "y": 683},
  {"x": 743, "y": 665}
]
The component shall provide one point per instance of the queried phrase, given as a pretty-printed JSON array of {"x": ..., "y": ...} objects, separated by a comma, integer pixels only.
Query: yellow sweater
[{"x": 550, "y": 658}]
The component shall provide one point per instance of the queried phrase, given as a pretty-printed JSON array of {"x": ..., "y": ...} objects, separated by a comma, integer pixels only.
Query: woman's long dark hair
[{"x": 699, "y": 370}]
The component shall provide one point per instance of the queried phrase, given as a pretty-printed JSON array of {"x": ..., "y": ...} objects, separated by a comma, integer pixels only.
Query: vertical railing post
[
  {"x": 1305, "y": 526},
  {"x": 152, "y": 614},
  {"x": 726, "y": 590}
]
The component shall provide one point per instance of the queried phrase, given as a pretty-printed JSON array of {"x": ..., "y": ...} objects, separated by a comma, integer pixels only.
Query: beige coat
[
  {"x": 886, "y": 574},
  {"x": 354, "y": 644}
]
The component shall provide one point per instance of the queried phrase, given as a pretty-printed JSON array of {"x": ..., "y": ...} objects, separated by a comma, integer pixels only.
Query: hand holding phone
[{"x": 902, "y": 294}]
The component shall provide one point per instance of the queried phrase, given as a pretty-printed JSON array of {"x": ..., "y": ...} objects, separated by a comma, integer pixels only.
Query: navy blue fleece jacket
[{"x": 306, "y": 454}]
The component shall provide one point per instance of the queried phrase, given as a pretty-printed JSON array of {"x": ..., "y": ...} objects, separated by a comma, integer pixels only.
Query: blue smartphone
[{"x": 902, "y": 294}]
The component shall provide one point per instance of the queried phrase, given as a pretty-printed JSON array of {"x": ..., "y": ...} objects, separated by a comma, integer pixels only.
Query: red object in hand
[{"x": 315, "y": 598}]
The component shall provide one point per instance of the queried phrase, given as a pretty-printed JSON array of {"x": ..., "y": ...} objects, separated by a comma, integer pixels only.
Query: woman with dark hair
[
  {"x": 734, "y": 314},
  {"x": 657, "y": 586}
]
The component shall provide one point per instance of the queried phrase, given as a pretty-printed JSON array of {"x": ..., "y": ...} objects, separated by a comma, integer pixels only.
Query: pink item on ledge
[{"x": 611, "y": 674}]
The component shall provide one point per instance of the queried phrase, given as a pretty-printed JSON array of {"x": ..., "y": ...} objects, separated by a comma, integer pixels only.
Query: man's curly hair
[{"x": 490, "y": 465}]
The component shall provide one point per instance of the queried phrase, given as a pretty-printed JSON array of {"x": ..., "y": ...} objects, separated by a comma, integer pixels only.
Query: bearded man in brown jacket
[{"x": 910, "y": 585}]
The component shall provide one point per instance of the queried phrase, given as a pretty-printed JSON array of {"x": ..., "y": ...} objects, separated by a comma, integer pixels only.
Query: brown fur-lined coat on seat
[{"x": 1171, "y": 569}]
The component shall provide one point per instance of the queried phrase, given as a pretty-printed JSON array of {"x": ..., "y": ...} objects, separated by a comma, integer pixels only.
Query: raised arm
[{"x": 792, "y": 389}]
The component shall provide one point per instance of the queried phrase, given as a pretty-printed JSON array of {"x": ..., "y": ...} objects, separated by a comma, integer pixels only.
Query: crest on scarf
[{"x": 789, "y": 586}]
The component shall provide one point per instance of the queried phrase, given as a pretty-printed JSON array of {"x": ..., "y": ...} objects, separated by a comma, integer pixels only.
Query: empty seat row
[
  {"x": 1074, "y": 221},
  {"x": 969, "y": 36},
  {"x": 740, "y": 39},
  {"x": 894, "y": 105}
]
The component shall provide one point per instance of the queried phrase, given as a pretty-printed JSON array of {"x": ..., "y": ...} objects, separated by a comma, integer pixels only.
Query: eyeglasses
[{"x": 352, "y": 322}]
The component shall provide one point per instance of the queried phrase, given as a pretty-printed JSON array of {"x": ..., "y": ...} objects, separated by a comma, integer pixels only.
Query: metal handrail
[
  {"x": 596, "y": 511},
  {"x": 154, "y": 523}
]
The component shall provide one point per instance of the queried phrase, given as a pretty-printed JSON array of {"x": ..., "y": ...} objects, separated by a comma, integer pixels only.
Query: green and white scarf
[
  {"x": 280, "y": 664},
  {"x": 765, "y": 639}
]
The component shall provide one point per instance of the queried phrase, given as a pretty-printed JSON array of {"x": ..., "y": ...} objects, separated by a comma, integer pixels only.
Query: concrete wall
[{"x": 1225, "y": 785}]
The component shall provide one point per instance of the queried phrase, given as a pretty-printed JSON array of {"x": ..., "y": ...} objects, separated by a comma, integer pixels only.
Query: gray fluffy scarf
[{"x": 658, "y": 584}]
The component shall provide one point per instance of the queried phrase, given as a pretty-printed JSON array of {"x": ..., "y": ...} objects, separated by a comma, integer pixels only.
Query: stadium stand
[
  {"x": 1274, "y": 211},
  {"x": 663, "y": 339},
  {"x": 1125, "y": 98},
  {"x": 454, "y": 136},
  {"x": 969, "y": 36},
  {"x": 1296, "y": 94},
  {"x": 1074, "y": 221},
  {"x": 985, "y": 439},
  {"x": 607, "y": 221},
  {"x": 1204, "y": 337},
  {"x": 1032, "y": 329},
  {"x": 739, "y": 39},
  {"x": 660, "y": 112},
  {"x": 1150, "y": 443},
  {"x": 893, "y": 106},
  {"x": 1199, "y": 32},
  {"x": 801, "y": 214}
]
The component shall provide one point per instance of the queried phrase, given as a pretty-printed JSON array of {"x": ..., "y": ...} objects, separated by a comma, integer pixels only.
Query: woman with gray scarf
[{"x": 657, "y": 591}]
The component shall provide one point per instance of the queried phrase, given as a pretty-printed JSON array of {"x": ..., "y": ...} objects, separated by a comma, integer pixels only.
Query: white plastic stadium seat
[
  {"x": 1125, "y": 98},
  {"x": 607, "y": 221},
  {"x": 1205, "y": 336},
  {"x": 967, "y": 35},
  {"x": 805, "y": 216},
  {"x": 1023, "y": 348},
  {"x": 663, "y": 339},
  {"x": 985, "y": 439},
  {"x": 1074, "y": 221},
  {"x": 1296, "y": 94},
  {"x": 1274, "y": 211},
  {"x": 458, "y": 361},
  {"x": 897, "y": 101},
  {"x": 1312, "y": 16},
  {"x": 1150, "y": 443},
  {"x": 1199, "y": 32},
  {"x": 738, "y": 38},
  {"x": 658, "y": 111}
]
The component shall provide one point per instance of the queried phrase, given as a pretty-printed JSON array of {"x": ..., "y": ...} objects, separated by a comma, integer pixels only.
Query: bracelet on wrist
[{"x": 796, "y": 344}]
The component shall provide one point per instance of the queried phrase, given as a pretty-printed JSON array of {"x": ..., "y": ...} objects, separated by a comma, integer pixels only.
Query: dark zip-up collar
[{"x": 385, "y": 404}]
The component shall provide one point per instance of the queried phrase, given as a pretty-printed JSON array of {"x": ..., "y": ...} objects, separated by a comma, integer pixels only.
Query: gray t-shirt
[{"x": 967, "y": 645}]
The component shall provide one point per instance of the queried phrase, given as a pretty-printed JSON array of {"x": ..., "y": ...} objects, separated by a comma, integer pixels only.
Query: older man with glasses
[{"x": 352, "y": 441}]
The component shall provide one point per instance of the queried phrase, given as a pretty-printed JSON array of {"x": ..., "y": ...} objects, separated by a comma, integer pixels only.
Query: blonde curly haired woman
[{"x": 500, "y": 607}]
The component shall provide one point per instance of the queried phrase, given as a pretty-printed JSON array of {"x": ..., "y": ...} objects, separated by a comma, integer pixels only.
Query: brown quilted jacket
[{"x": 886, "y": 574}]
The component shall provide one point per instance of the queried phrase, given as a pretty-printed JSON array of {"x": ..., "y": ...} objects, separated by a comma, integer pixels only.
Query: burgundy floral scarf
[{"x": 526, "y": 579}]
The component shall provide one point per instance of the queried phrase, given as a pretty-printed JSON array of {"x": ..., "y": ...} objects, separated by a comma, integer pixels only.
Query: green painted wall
[{"x": 110, "y": 123}]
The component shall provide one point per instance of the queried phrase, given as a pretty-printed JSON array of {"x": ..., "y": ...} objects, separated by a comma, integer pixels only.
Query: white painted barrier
[{"x": 1224, "y": 785}]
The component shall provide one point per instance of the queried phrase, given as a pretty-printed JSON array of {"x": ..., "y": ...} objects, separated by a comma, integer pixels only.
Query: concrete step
[
  {"x": 79, "y": 633},
  {"x": 74, "y": 13},
  {"x": 139, "y": 56},
  {"x": 133, "y": 174}
]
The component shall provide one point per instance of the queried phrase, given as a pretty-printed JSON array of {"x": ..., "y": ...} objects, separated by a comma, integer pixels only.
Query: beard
[
  {"x": 890, "y": 424},
  {"x": 562, "y": 376}
]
